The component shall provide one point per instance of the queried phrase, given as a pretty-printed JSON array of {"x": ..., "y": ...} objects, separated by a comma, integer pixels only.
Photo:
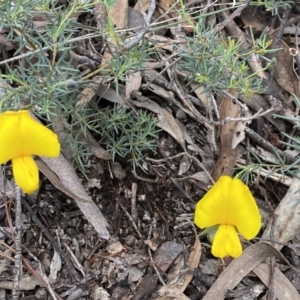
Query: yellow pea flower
[
  {"x": 229, "y": 204},
  {"x": 21, "y": 137}
]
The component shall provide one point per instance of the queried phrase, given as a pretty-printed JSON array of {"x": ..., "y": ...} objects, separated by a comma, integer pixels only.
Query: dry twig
[
  {"x": 130, "y": 218},
  {"x": 133, "y": 202},
  {"x": 141, "y": 34},
  {"x": 18, "y": 244}
]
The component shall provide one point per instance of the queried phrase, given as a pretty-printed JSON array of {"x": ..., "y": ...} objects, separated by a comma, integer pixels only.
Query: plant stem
[{"x": 18, "y": 236}]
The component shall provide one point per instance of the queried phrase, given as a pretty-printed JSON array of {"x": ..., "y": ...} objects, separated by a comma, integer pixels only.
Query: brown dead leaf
[
  {"x": 136, "y": 21},
  {"x": 100, "y": 15},
  {"x": 63, "y": 176},
  {"x": 284, "y": 71},
  {"x": 186, "y": 135},
  {"x": 146, "y": 287},
  {"x": 254, "y": 18},
  {"x": 165, "y": 5},
  {"x": 285, "y": 223},
  {"x": 107, "y": 56},
  {"x": 89, "y": 92},
  {"x": 166, "y": 121},
  {"x": 55, "y": 265},
  {"x": 156, "y": 89},
  {"x": 201, "y": 177},
  {"x": 117, "y": 171},
  {"x": 93, "y": 145},
  {"x": 167, "y": 293},
  {"x": 195, "y": 254},
  {"x": 240, "y": 267},
  {"x": 228, "y": 154},
  {"x": 142, "y": 5},
  {"x": 119, "y": 13},
  {"x": 166, "y": 254},
  {"x": 110, "y": 93},
  {"x": 184, "y": 165},
  {"x": 284, "y": 289},
  {"x": 133, "y": 83},
  {"x": 201, "y": 94}
]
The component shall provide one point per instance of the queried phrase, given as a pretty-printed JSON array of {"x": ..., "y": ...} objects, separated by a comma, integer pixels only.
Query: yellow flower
[
  {"x": 21, "y": 137},
  {"x": 229, "y": 204}
]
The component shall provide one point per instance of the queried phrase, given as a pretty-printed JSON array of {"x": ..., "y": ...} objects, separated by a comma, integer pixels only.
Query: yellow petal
[
  {"x": 21, "y": 135},
  {"x": 226, "y": 242},
  {"x": 26, "y": 173},
  {"x": 212, "y": 209},
  {"x": 246, "y": 218},
  {"x": 229, "y": 202}
]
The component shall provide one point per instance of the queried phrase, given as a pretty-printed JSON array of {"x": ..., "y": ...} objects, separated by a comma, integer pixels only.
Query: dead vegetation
[{"x": 152, "y": 102}]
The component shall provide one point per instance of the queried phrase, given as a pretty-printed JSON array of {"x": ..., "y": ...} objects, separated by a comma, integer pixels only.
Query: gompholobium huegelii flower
[
  {"x": 21, "y": 137},
  {"x": 229, "y": 204}
]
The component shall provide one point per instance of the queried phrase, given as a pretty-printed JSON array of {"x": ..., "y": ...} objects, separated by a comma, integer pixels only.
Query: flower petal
[
  {"x": 26, "y": 173},
  {"x": 246, "y": 216},
  {"x": 21, "y": 135},
  {"x": 212, "y": 209},
  {"x": 226, "y": 242},
  {"x": 229, "y": 202}
]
